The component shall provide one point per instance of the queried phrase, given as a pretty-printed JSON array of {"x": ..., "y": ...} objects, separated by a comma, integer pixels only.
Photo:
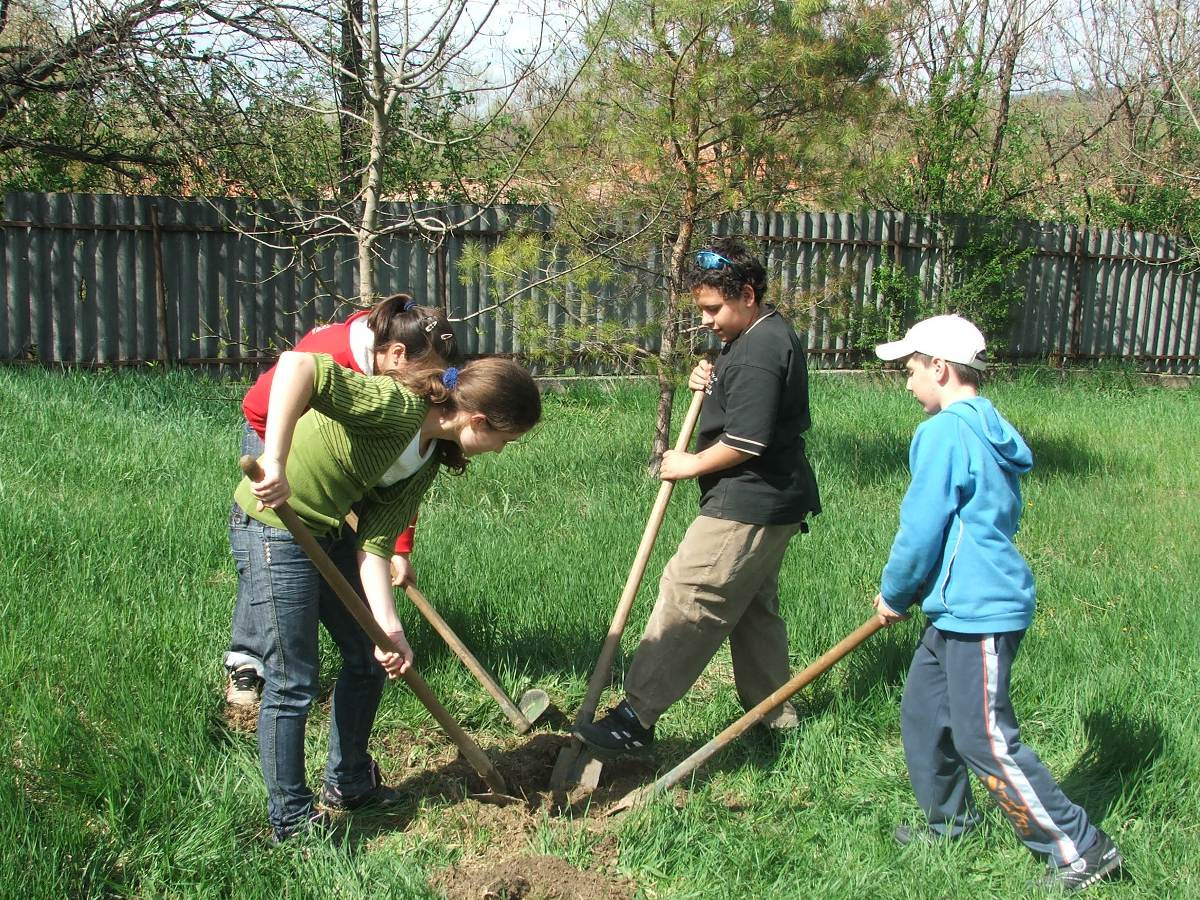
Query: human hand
[
  {"x": 887, "y": 616},
  {"x": 395, "y": 664},
  {"x": 700, "y": 376},
  {"x": 403, "y": 573},
  {"x": 677, "y": 465},
  {"x": 273, "y": 489}
]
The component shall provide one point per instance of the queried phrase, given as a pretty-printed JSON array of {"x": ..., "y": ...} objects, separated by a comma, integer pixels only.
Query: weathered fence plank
[{"x": 80, "y": 279}]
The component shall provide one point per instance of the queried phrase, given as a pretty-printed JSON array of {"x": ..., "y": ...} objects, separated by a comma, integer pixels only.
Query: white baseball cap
[{"x": 951, "y": 338}]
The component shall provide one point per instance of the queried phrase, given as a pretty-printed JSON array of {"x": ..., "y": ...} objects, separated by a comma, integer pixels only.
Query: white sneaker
[{"x": 245, "y": 686}]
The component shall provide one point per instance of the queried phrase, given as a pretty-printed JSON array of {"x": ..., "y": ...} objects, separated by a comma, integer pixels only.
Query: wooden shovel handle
[
  {"x": 362, "y": 614},
  {"x": 612, "y": 641},
  {"x": 798, "y": 681},
  {"x": 442, "y": 627}
]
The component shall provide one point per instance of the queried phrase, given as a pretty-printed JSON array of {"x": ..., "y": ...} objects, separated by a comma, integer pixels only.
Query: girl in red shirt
[{"x": 393, "y": 334}]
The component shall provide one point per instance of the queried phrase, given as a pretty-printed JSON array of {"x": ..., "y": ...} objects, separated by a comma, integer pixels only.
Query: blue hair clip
[
  {"x": 408, "y": 304},
  {"x": 450, "y": 378}
]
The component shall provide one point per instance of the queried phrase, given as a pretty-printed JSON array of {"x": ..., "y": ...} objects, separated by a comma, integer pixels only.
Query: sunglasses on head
[{"x": 711, "y": 259}]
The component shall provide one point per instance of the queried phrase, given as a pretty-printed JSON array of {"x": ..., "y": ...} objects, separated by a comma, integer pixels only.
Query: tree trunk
[
  {"x": 667, "y": 350},
  {"x": 1008, "y": 66},
  {"x": 368, "y": 230},
  {"x": 352, "y": 108}
]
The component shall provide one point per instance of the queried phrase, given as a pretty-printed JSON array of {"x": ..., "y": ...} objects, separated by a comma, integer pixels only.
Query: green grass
[{"x": 117, "y": 777}]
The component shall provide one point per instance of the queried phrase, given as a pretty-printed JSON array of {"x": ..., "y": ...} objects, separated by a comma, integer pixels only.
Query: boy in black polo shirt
[{"x": 756, "y": 490}]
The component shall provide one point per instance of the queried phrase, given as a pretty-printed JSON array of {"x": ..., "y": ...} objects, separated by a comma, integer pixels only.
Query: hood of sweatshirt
[{"x": 1007, "y": 447}]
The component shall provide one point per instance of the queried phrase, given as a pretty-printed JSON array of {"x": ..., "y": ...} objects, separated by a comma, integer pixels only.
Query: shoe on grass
[
  {"x": 619, "y": 731},
  {"x": 785, "y": 718},
  {"x": 245, "y": 686},
  {"x": 377, "y": 795},
  {"x": 317, "y": 826},
  {"x": 1098, "y": 862},
  {"x": 924, "y": 834}
]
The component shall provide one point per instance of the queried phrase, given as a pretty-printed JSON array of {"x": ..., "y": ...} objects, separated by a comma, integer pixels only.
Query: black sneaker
[
  {"x": 378, "y": 794},
  {"x": 244, "y": 687},
  {"x": 619, "y": 731},
  {"x": 1099, "y": 861},
  {"x": 316, "y": 826}
]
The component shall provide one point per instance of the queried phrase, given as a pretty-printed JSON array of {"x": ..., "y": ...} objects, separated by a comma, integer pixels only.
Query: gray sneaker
[
  {"x": 317, "y": 827},
  {"x": 927, "y": 834},
  {"x": 922, "y": 834},
  {"x": 1098, "y": 862}
]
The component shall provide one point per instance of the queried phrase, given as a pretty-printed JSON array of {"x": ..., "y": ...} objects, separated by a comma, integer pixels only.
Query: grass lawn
[{"x": 119, "y": 776}]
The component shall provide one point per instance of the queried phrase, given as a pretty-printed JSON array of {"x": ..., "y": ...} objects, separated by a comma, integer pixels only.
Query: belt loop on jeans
[{"x": 238, "y": 517}]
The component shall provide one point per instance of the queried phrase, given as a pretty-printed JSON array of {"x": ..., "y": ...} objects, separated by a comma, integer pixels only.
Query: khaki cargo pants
[{"x": 722, "y": 582}]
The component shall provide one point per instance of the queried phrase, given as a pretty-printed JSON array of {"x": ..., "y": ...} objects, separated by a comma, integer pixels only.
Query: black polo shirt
[{"x": 757, "y": 402}]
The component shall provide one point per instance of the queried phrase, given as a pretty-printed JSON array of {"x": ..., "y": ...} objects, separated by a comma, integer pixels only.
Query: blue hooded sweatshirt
[{"x": 954, "y": 551}]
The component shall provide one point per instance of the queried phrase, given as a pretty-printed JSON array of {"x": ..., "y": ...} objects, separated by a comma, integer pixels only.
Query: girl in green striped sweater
[{"x": 347, "y": 452}]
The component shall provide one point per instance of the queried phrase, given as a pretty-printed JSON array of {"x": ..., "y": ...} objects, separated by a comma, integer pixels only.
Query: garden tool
[
  {"x": 574, "y": 764},
  {"x": 753, "y": 717},
  {"x": 534, "y": 702}
]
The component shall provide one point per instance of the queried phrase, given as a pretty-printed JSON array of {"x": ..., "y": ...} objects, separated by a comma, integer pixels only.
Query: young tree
[
  {"x": 400, "y": 83},
  {"x": 692, "y": 109}
]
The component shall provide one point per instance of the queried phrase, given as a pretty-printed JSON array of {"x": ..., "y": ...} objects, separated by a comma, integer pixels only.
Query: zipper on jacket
[{"x": 950, "y": 564}]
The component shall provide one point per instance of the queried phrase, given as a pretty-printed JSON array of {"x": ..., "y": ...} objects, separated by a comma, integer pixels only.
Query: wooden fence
[{"x": 114, "y": 280}]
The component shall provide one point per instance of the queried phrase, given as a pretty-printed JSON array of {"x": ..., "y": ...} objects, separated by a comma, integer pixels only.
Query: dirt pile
[{"x": 529, "y": 878}]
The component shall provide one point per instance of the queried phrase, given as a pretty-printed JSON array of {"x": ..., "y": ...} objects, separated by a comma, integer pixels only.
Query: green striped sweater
[{"x": 356, "y": 428}]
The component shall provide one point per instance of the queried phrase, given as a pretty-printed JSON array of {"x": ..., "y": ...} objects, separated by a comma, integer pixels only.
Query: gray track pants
[{"x": 956, "y": 714}]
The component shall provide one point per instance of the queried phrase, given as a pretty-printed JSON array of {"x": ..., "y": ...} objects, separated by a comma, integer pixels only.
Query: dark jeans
[
  {"x": 247, "y": 645},
  {"x": 285, "y": 597}
]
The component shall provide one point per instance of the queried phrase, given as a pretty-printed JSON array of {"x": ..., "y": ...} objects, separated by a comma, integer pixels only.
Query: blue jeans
[
  {"x": 285, "y": 597},
  {"x": 247, "y": 645}
]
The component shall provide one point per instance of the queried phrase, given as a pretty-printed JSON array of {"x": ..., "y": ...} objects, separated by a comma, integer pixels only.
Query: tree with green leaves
[
  {"x": 690, "y": 110},
  {"x": 393, "y": 87}
]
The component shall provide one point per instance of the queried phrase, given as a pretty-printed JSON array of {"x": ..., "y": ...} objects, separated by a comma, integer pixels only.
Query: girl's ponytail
[
  {"x": 423, "y": 330},
  {"x": 431, "y": 384}
]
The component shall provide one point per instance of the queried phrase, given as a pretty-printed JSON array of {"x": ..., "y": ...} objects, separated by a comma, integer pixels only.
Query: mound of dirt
[
  {"x": 529, "y": 878},
  {"x": 240, "y": 719}
]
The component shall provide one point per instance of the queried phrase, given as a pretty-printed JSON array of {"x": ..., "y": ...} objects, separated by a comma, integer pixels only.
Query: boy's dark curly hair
[{"x": 729, "y": 279}]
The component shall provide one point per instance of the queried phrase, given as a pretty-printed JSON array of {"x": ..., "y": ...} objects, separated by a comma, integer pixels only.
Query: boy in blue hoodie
[{"x": 954, "y": 554}]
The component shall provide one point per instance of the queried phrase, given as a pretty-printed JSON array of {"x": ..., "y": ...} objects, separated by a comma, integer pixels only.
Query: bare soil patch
[
  {"x": 529, "y": 878},
  {"x": 440, "y": 773}
]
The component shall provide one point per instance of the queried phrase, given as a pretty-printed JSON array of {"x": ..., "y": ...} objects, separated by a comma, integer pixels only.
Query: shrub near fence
[{"x": 111, "y": 280}]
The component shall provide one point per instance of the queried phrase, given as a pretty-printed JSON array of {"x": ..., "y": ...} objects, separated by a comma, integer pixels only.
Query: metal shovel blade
[
  {"x": 575, "y": 767},
  {"x": 589, "y": 771},
  {"x": 533, "y": 704}
]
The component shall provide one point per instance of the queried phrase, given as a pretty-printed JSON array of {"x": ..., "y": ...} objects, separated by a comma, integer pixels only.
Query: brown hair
[
  {"x": 423, "y": 330},
  {"x": 498, "y": 388},
  {"x": 968, "y": 375}
]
